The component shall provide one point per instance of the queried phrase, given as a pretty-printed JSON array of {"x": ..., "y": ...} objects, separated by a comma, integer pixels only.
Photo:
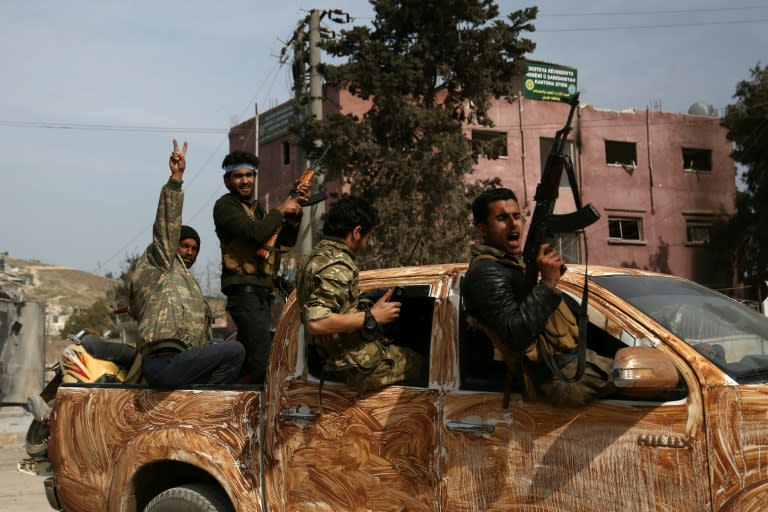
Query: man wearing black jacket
[
  {"x": 243, "y": 227},
  {"x": 494, "y": 296}
]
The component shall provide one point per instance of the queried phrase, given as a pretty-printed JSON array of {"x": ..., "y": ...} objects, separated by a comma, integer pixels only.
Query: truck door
[
  {"x": 333, "y": 450},
  {"x": 611, "y": 455}
]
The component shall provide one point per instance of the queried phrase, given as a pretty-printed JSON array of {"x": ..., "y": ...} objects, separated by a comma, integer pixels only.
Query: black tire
[
  {"x": 190, "y": 498},
  {"x": 37, "y": 438}
]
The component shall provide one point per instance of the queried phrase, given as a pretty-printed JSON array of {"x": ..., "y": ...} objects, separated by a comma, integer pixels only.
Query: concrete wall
[{"x": 22, "y": 349}]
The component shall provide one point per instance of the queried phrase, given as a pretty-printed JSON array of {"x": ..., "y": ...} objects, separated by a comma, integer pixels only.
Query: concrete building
[{"x": 658, "y": 179}]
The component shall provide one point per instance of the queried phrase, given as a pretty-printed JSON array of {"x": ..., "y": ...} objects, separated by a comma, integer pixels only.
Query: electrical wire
[
  {"x": 640, "y": 27},
  {"x": 655, "y": 12}
]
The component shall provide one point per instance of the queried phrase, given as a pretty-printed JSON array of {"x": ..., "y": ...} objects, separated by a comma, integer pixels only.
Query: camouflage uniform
[
  {"x": 165, "y": 298},
  {"x": 328, "y": 283}
]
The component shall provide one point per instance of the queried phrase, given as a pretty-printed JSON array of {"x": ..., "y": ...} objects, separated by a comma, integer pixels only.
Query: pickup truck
[{"x": 687, "y": 431}]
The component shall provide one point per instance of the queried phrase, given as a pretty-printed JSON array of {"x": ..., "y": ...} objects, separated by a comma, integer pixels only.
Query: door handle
[
  {"x": 459, "y": 426},
  {"x": 298, "y": 416}
]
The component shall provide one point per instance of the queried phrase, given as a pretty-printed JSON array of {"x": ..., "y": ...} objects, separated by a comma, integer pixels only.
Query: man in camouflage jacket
[
  {"x": 167, "y": 302},
  {"x": 347, "y": 335}
]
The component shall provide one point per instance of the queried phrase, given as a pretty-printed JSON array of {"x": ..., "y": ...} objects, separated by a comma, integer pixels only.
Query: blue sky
[{"x": 92, "y": 93}]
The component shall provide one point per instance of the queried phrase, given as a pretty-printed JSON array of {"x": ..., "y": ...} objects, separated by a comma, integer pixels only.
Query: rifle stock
[{"x": 544, "y": 223}]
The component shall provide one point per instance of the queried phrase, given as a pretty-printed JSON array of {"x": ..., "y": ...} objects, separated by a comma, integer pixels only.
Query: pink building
[{"x": 658, "y": 179}]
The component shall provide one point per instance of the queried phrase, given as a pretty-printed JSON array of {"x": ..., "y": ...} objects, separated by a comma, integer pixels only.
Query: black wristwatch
[{"x": 370, "y": 323}]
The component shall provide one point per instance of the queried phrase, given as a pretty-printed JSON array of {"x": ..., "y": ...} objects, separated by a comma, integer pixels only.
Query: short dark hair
[
  {"x": 481, "y": 202},
  {"x": 348, "y": 213},
  {"x": 240, "y": 157}
]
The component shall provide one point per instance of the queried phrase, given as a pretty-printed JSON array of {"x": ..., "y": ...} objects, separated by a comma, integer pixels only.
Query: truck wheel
[
  {"x": 190, "y": 498},
  {"x": 37, "y": 438}
]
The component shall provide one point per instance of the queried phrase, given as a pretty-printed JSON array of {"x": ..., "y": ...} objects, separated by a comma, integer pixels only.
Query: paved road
[{"x": 19, "y": 492}]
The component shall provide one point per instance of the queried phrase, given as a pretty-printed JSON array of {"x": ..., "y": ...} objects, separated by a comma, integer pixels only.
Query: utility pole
[
  {"x": 255, "y": 193},
  {"x": 304, "y": 43},
  {"x": 316, "y": 109}
]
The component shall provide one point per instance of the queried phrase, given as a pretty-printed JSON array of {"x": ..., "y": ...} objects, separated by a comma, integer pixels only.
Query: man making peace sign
[{"x": 167, "y": 302}]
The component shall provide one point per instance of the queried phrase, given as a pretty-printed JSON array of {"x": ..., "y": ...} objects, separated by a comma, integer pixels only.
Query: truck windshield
[{"x": 732, "y": 336}]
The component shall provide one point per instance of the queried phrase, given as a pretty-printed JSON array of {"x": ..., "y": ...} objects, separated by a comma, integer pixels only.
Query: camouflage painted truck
[{"x": 688, "y": 430}]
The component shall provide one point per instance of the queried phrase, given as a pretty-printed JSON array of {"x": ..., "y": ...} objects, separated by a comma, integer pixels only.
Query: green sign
[
  {"x": 276, "y": 122},
  {"x": 549, "y": 82}
]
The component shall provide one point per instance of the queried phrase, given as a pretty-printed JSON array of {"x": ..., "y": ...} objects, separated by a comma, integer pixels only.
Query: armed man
[
  {"x": 243, "y": 227},
  {"x": 527, "y": 327}
]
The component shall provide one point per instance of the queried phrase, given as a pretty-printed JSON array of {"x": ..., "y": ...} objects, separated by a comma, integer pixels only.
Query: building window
[
  {"x": 625, "y": 228},
  {"x": 567, "y": 245},
  {"x": 620, "y": 153},
  {"x": 697, "y": 232},
  {"x": 545, "y": 146},
  {"x": 286, "y": 153},
  {"x": 697, "y": 159},
  {"x": 489, "y": 144}
]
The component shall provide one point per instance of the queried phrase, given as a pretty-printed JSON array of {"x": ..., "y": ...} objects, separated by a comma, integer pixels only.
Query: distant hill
[
  {"x": 66, "y": 286},
  {"x": 54, "y": 284}
]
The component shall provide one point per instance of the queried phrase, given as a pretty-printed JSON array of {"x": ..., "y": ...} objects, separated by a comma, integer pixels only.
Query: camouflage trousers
[{"x": 396, "y": 365}]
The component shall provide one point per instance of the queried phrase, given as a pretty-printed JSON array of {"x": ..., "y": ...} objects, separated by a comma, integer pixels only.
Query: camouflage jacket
[
  {"x": 327, "y": 282},
  {"x": 165, "y": 298}
]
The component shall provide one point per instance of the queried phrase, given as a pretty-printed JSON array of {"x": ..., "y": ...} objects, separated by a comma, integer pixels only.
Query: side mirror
[{"x": 644, "y": 372}]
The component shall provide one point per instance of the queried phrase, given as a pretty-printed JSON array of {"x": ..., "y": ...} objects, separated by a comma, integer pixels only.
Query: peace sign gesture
[{"x": 178, "y": 160}]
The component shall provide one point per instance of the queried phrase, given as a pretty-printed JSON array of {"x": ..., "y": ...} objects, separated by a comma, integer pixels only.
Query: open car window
[
  {"x": 482, "y": 370},
  {"x": 413, "y": 328}
]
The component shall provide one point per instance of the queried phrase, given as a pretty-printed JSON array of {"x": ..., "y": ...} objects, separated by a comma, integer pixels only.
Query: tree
[
  {"x": 94, "y": 320},
  {"x": 747, "y": 124},
  {"x": 119, "y": 294},
  {"x": 425, "y": 65}
]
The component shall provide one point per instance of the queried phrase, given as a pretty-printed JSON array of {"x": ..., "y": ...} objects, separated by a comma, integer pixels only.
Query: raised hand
[
  {"x": 550, "y": 264},
  {"x": 178, "y": 160}
]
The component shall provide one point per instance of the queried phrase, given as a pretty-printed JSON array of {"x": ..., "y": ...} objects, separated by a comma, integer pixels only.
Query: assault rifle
[
  {"x": 306, "y": 178},
  {"x": 545, "y": 223}
]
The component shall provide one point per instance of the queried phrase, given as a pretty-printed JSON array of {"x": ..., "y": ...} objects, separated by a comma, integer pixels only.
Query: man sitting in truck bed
[
  {"x": 167, "y": 302},
  {"x": 346, "y": 331}
]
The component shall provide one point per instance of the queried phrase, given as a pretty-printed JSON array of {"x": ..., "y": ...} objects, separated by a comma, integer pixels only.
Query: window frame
[
  {"x": 621, "y": 219},
  {"x": 614, "y": 147},
  {"x": 545, "y": 146},
  {"x": 700, "y": 159},
  {"x": 490, "y": 136}
]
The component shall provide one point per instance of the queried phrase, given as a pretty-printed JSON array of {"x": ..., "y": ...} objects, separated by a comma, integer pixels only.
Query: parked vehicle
[{"x": 688, "y": 430}]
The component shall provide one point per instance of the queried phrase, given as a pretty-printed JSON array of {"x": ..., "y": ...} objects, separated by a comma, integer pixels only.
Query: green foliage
[
  {"x": 747, "y": 124},
  {"x": 95, "y": 320},
  {"x": 422, "y": 65},
  {"x": 119, "y": 294}
]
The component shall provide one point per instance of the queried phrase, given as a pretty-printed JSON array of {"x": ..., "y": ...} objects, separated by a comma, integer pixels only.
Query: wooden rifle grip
[{"x": 305, "y": 179}]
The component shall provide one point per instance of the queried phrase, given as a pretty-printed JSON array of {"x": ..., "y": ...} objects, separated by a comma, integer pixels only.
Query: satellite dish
[{"x": 702, "y": 109}]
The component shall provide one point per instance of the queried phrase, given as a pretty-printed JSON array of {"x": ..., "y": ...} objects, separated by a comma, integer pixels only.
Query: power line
[
  {"x": 193, "y": 177},
  {"x": 666, "y": 25},
  {"x": 109, "y": 127},
  {"x": 640, "y": 13}
]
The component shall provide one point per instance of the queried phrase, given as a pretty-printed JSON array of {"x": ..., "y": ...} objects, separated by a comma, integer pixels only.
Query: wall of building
[{"x": 653, "y": 192}]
